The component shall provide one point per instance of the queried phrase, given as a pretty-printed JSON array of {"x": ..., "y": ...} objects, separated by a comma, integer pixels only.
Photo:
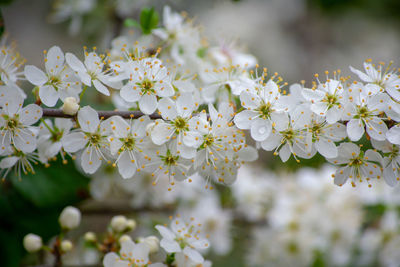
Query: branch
[{"x": 105, "y": 114}]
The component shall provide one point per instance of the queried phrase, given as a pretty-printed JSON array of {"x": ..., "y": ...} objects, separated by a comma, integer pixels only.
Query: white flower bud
[
  {"x": 153, "y": 243},
  {"x": 119, "y": 223},
  {"x": 124, "y": 238},
  {"x": 131, "y": 224},
  {"x": 70, "y": 106},
  {"x": 32, "y": 242},
  {"x": 70, "y": 218},
  {"x": 90, "y": 237},
  {"x": 66, "y": 245}
]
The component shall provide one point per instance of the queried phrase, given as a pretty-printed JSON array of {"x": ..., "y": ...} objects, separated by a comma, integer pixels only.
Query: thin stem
[
  {"x": 58, "y": 113},
  {"x": 83, "y": 92},
  {"x": 47, "y": 126}
]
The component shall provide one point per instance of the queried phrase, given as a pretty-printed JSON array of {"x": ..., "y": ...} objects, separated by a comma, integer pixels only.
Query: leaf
[
  {"x": 148, "y": 20},
  {"x": 52, "y": 187},
  {"x": 131, "y": 23}
]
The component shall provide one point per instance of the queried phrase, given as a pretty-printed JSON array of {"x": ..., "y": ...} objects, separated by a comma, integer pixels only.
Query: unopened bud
[
  {"x": 70, "y": 218},
  {"x": 66, "y": 245},
  {"x": 119, "y": 223},
  {"x": 124, "y": 238},
  {"x": 32, "y": 242},
  {"x": 70, "y": 106},
  {"x": 90, "y": 237},
  {"x": 153, "y": 243},
  {"x": 131, "y": 224}
]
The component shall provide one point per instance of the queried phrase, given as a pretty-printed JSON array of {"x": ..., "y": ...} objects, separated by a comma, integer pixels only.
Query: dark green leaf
[
  {"x": 148, "y": 20},
  {"x": 51, "y": 187}
]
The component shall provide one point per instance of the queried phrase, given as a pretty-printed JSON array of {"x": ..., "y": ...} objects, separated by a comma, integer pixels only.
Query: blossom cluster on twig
[{"x": 191, "y": 106}]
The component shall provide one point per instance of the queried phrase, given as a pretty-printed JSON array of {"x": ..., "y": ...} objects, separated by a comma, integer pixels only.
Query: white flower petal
[
  {"x": 88, "y": 119},
  {"x": 73, "y": 142},
  {"x": 110, "y": 259},
  {"x": 284, "y": 152},
  {"x": 393, "y": 135},
  {"x": 165, "y": 232},
  {"x": 48, "y": 95},
  {"x": 126, "y": 167},
  {"x": 364, "y": 77},
  {"x": 148, "y": 104},
  {"x": 25, "y": 141},
  {"x": 35, "y": 75},
  {"x": 260, "y": 129},
  {"x": 55, "y": 60},
  {"x": 185, "y": 104},
  {"x": 101, "y": 88},
  {"x": 161, "y": 133},
  {"x": 194, "y": 255},
  {"x": 167, "y": 108},
  {"x": 30, "y": 114},
  {"x": 170, "y": 246},
  {"x": 326, "y": 148},
  {"x": 74, "y": 63},
  {"x": 341, "y": 175},
  {"x": 355, "y": 129},
  {"x": 244, "y": 119},
  {"x": 249, "y": 100},
  {"x": 130, "y": 92},
  {"x": 90, "y": 160},
  {"x": 8, "y": 162}
]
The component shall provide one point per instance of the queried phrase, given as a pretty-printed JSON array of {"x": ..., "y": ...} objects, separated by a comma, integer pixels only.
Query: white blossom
[
  {"x": 356, "y": 164},
  {"x": 58, "y": 82},
  {"x": 91, "y": 136},
  {"x": 183, "y": 237}
]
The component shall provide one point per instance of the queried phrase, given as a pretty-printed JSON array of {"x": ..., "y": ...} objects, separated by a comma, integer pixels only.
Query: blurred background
[{"x": 296, "y": 38}]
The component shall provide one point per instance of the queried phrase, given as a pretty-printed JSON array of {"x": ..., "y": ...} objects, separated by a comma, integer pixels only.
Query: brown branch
[{"x": 105, "y": 114}]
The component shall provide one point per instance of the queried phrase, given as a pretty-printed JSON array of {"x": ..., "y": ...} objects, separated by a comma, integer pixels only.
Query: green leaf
[
  {"x": 130, "y": 23},
  {"x": 52, "y": 187},
  {"x": 148, "y": 20}
]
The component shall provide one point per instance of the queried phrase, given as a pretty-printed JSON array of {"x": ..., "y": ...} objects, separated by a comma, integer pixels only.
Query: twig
[{"x": 58, "y": 113}]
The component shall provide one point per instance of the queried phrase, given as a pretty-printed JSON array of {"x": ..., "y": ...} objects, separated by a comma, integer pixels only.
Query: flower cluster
[
  {"x": 116, "y": 247},
  {"x": 194, "y": 121}
]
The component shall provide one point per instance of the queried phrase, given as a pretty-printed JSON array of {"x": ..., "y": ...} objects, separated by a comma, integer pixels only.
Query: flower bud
[
  {"x": 131, "y": 224},
  {"x": 70, "y": 106},
  {"x": 90, "y": 237},
  {"x": 124, "y": 238},
  {"x": 153, "y": 243},
  {"x": 119, "y": 223},
  {"x": 66, "y": 245},
  {"x": 70, "y": 218},
  {"x": 32, "y": 242}
]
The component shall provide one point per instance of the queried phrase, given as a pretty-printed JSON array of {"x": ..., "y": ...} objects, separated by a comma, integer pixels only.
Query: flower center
[
  {"x": 169, "y": 159},
  {"x": 208, "y": 140},
  {"x": 331, "y": 100},
  {"x": 54, "y": 81},
  {"x": 288, "y": 134},
  {"x": 56, "y": 136},
  {"x": 180, "y": 124},
  {"x": 147, "y": 87},
  {"x": 362, "y": 113},
  {"x": 356, "y": 162},
  {"x": 265, "y": 110},
  {"x": 128, "y": 143},
  {"x": 94, "y": 138},
  {"x": 12, "y": 123}
]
